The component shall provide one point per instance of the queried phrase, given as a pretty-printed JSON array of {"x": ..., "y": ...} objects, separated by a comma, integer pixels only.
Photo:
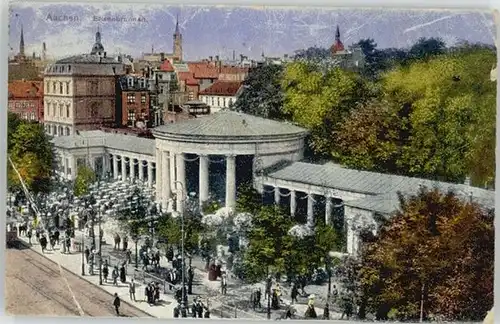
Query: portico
[{"x": 228, "y": 134}]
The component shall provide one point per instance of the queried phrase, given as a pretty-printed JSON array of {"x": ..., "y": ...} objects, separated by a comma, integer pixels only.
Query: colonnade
[
  {"x": 171, "y": 178},
  {"x": 131, "y": 173},
  {"x": 311, "y": 201}
]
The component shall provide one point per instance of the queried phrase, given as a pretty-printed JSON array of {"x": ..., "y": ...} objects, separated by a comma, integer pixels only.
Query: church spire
[
  {"x": 177, "y": 30},
  {"x": 21, "y": 42},
  {"x": 337, "y": 34},
  {"x": 98, "y": 35}
]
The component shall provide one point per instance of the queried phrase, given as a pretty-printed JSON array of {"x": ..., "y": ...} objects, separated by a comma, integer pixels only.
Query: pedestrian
[
  {"x": 326, "y": 312},
  {"x": 105, "y": 272},
  {"x": 29, "y": 236},
  {"x": 117, "y": 241},
  {"x": 129, "y": 256},
  {"x": 123, "y": 277},
  {"x": 223, "y": 284},
  {"x": 43, "y": 243},
  {"x": 87, "y": 254},
  {"x": 125, "y": 243},
  {"x": 131, "y": 289},
  {"x": 335, "y": 294},
  {"x": 116, "y": 303},
  {"x": 114, "y": 274},
  {"x": 156, "y": 292},
  {"x": 177, "y": 311},
  {"x": 294, "y": 293}
]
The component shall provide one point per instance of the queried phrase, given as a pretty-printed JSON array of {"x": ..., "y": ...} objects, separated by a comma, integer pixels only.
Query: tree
[
  {"x": 32, "y": 154},
  {"x": 448, "y": 99},
  {"x": 262, "y": 95},
  {"x": 320, "y": 101},
  {"x": 249, "y": 200},
  {"x": 13, "y": 123},
  {"x": 268, "y": 240},
  {"x": 374, "y": 58},
  {"x": 368, "y": 140},
  {"x": 425, "y": 48},
  {"x": 85, "y": 177},
  {"x": 437, "y": 249},
  {"x": 312, "y": 54}
]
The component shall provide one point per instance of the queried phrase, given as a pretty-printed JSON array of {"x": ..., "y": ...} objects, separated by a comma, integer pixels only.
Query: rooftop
[
  {"x": 222, "y": 88},
  {"x": 230, "y": 124},
  {"x": 25, "y": 89},
  {"x": 166, "y": 66},
  {"x": 382, "y": 188},
  {"x": 98, "y": 138}
]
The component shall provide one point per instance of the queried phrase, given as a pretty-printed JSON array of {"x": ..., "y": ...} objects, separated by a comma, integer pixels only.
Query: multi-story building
[
  {"x": 352, "y": 58},
  {"x": 221, "y": 95},
  {"x": 133, "y": 109},
  {"x": 80, "y": 91},
  {"x": 26, "y": 99}
]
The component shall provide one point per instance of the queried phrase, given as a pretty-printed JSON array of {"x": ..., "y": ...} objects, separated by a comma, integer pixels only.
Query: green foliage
[
  {"x": 320, "y": 101},
  {"x": 170, "y": 228},
  {"x": 13, "y": 123},
  {"x": 85, "y": 177},
  {"x": 248, "y": 199},
  {"x": 437, "y": 244},
  {"x": 269, "y": 241},
  {"x": 32, "y": 153},
  {"x": 262, "y": 95}
]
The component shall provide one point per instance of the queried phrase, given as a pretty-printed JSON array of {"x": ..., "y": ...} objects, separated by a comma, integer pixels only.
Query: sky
[{"x": 69, "y": 29}]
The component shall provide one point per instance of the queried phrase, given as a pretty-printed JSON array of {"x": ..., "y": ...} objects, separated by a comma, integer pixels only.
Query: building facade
[
  {"x": 221, "y": 95},
  {"x": 349, "y": 59},
  {"x": 134, "y": 108},
  {"x": 26, "y": 99},
  {"x": 80, "y": 91}
]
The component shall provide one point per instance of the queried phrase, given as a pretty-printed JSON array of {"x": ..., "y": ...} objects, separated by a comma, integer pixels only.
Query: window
[
  {"x": 94, "y": 110},
  {"x": 67, "y": 87},
  {"x": 143, "y": 98},
  {"x": 130, "y": 98},
  {"x": 61, "y": 110},
  {"x": 60, "y": 87},
  {"x": 218, "y": 102},
  {"x": 191, "y": 95},
  {"x": 32, "y": 116},
  {"x": 131, "y": 118},
  {"x": 213, "y": 101},
  {"x": 53, "y": 87},
  {"x": 230, "y": 101},
  {"x": 69, "y": 69},
  {"x": 67, "y": 110},
  {"x": 25, "y": 115},
  {"x": 93, "y": 87}
]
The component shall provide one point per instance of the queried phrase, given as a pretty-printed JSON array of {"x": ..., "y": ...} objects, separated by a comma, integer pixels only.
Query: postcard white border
[{"x": 402, "y": 4}]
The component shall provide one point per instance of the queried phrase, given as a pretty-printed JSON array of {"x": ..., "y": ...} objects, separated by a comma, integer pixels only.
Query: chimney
[
  {"x": 44, "y": 51},
  {"x": 217, "y": 58},
  {"x": 105, "y": 54}
]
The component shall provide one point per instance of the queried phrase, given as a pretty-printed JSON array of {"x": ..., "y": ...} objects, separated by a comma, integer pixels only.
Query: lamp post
[
  {"x": 83, "y": 255},
  {"x": 181, "y": 214}
]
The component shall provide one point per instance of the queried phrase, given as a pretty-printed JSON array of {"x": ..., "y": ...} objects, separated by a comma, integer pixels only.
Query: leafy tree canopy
[
  {"x": 262, "y": 95},
  {"x": 438, "y": 245},
  {"x": 321, "y": 101},
  {"x": 85, "y": 177},
  {"x": 32, "y": 153}
]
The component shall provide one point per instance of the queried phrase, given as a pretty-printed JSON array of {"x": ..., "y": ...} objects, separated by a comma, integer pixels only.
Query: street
[{"x": 34, "y": 286}]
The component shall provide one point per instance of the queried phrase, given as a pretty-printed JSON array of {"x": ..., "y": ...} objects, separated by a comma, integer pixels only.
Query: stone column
[
  {"x": 328, "y": 209},
  {"x": 132, "y": 168},
  {"x": 204, "y": 179},
  {"x": 150, "y": 174},
  {"x": 277, "y": 196},
  {"x": 65, "y": 167},
  {"x": 180, "y": 189},
  {"x": 310, "y": 209},
  {"x": 124, "y": 169},
  {"x": 231, "y": 181},
  {"x": 173, "y": 168},
  {"x": 73, "y": 167},
  {"x": 92, "y": 162},
  {"x": 141, "y": 169},
  {"x": 105, "y": 161},
  {"x": 165, "y": 177},
  {"x": 158, "y": 157},
  {"x": 293, "y": 203},
  {"x": 115, "y": 167}
]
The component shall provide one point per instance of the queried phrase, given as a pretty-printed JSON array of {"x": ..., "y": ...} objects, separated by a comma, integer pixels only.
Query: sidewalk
[{"x": 73, "y": 263}]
